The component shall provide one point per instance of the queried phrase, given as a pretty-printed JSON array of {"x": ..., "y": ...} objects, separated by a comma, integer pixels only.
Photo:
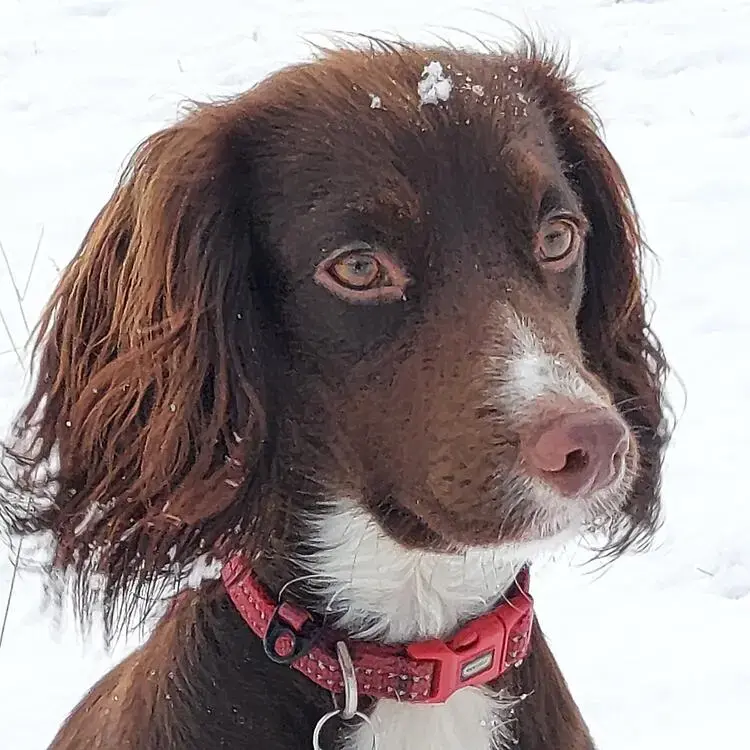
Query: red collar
[{"x": 424, "y": 672}]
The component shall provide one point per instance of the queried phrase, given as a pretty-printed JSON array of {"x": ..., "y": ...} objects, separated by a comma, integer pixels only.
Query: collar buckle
[{"x": 480, "y": 651}]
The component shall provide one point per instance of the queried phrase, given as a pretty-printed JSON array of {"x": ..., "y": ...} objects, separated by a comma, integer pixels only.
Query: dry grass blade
[
  {"x": 33, "y": 264},
  {"x": 20, "y": 295},
  {"x": 16, "y": 289}
]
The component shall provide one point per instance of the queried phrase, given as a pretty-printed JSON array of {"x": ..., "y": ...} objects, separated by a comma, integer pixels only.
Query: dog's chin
[
  {"x": 446, "y": 535},
  {"x": 542, "y": 517}
]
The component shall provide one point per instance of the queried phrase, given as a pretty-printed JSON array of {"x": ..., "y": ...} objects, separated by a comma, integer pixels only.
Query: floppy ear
[
  {"x": 613, "y": 326},
  {"x": 146, "y": 423}
]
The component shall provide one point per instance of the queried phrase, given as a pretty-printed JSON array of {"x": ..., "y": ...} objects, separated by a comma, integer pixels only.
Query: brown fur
[{"x": 202, "y": 394}]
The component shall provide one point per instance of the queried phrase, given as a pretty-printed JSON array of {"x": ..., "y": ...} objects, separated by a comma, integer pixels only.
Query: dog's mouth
[{"x": 518, "y": 510}]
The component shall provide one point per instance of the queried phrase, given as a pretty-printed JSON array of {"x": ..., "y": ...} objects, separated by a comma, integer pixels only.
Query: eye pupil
[
  {"x": 357, "y": 271},
  {"x": 559, "y": 242},
  {"x": 360, "y": 266}
]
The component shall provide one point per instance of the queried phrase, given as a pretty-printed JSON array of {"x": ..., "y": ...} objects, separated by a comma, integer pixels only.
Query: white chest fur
[
  {"x": 471, "y": 719},
  {"x": 378, "y": 589}
]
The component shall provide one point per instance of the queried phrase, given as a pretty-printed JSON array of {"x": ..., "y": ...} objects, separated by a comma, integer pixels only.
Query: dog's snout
[{"x": 578, "y": 452}]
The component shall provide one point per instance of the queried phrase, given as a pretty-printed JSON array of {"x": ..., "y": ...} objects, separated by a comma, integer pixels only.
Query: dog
[{"x": 372, "y": 336}]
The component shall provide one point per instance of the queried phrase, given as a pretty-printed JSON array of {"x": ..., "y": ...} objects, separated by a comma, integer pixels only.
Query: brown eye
[
  {"x": 358, "y": 273},
  {"x": 558, "y": 244}
]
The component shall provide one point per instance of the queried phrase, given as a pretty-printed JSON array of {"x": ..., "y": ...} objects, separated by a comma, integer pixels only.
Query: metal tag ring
[
  {"x": 349, "y": 677},
  {"x": 326, "y": 717}
]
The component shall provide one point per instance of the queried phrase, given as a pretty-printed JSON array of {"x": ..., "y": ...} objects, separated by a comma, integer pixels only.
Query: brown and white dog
[{"x": 373, "y": 335}]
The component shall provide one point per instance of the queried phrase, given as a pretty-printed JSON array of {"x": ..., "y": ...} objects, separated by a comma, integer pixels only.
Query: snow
[
  {"x": 434, "y": 86},
  {"x": 655, "y": 647}
]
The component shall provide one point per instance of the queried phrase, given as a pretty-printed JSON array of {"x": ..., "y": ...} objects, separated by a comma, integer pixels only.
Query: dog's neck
[
  {"x": 376, "y": 589},
  {"x": 371, "y": 587}
]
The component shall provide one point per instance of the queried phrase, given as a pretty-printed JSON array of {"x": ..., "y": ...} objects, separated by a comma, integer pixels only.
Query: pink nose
[{"x": 578, "y": 452}]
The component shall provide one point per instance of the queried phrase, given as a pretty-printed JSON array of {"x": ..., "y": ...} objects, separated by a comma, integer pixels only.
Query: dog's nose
[{"x": 578, "y": 452}]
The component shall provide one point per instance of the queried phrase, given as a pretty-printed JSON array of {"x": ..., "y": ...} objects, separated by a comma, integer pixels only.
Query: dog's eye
[
  {"x": 559, "y": 243},
  {"x": 358, "y": 273}
]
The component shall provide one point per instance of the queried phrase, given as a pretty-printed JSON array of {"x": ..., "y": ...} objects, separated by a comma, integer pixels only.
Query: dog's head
[{"x": 403, "y": 279}]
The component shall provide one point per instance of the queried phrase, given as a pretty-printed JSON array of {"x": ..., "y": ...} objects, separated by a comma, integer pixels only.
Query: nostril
[
  {"x": 576, "y": 461},
  {"x": 555, "y": 451},
  {"x": 578, "y": 452}
]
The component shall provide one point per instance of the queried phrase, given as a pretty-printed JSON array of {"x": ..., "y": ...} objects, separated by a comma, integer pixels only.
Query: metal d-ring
[
  {"x": 324, "y": 719},
  {"x": 351, "y": 699},
  {"x": 349, "y": 678}
]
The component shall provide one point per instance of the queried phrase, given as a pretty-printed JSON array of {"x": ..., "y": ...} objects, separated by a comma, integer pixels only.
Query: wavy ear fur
[
  {"x": 147, "y": 420},
  {"x": 613, "y": 324}
]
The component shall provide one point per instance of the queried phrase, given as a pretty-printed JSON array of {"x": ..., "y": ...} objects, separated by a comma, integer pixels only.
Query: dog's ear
[
  {"x": 146, "y": 426},
  {"x": 613, "y": 322}
]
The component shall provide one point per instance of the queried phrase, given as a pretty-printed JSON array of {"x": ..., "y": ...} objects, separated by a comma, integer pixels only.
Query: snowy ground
[{"x": 657, "y": 649}]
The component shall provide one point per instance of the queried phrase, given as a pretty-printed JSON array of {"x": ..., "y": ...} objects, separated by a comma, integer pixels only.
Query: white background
[{"x": 656, "y": 649}]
